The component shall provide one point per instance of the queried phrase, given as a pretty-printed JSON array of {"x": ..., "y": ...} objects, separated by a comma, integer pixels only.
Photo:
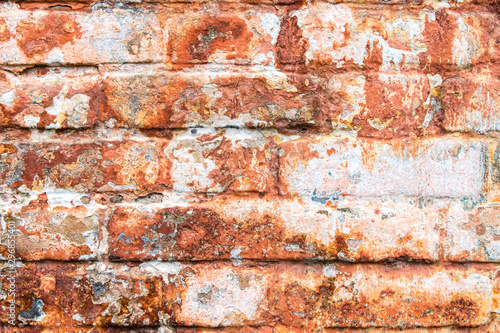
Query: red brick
[
  {"x": 41, "y": 293},
  {"x": 215, "y": 161},
  {"x": 385, "y": 105},
  {"x": 96, "y": 166},
  {"x": 337, "y": 295},
  {"x": 72, "y": 295},
  {"x": 344, "y": 36},
  {"x": 117, "y": 298},
  {"x": 492, "y": 326},
  {"x": 235, "y": 228},
  {"x": 471, "y": 103},
  {"x": 46, "y": 228},
  {"x": 327, "y": 168},
  {"x": 50, "y": 98},
  {"x": 234, "y": 294},
  {"x": 217, "y": 99},
  {"x": 99, "y": 36},
  {"x": 216, "y": 36}
]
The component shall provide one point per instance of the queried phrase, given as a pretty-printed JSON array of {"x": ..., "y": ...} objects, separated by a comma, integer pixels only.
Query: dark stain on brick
[{"x": 35, "y": 313}]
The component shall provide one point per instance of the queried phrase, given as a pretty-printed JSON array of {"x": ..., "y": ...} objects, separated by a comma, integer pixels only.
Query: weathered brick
[
  {"x": 216, "y": 99},
  {"x": 224, "y": 37},
  {"x": 322, "y": 166},
  {"x": 326, "y": 168},
  {"x": 492, "y": 326},
  {"x": 329, "y": 295},
  {"x": 385, "y": 105},
  {"x": 117, "y": 298},
  {"x": 99, "y": 36},
  {"x": 55, "y": 294},
  {"x": 51, "y": 226},
  {"x": 346, "y": 37},
  {"x": 476, "y": 237},
  {"x": 41, "y": 293},
  {"x": 86, "y": 329},
  {"x": 247, "y": 228},
  {"x": 233, "y": 294},
  {"x": 471, "y": 103},
  {"x": 50, "y": 98},
  {"x": 381, "y": 105},
  {"x": 214, "y": 161},
  {"x": 95, "y": 166}
]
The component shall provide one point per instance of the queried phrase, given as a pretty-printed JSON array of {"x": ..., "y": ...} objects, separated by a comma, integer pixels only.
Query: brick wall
[{"x": 250, "y": 166}]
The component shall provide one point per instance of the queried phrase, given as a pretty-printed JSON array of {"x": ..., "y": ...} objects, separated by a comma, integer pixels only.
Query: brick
[
  {"x": 381, "y": 105},
  {"x": 490, "y": 327},
  {"x": 385, "y": 105},
  {"x": 41, "y": 293},
  {"x": 236, "y": 294},
  {"x": 210, "y": 99},
  {"x": 54, "y": 294},
  {"x": 58, "y": 328},
  {"x": 329, "y": 295},
  {"x": 326, "y": 168},
  {"x": 95, "y": 166},
  {"x": 343, "y": 36},
  {"x": 224, "y": 37},
  {"x": 88, "y": 329},
  {"x": 471, "y": 103},
  {"x": 50, "y": 98},
  {"x": 215, "y": 161},
  {"x": 100, "y": 36},
  {"x": 476, "y": 237},
  {"x": 49, "y": 226},
  {"x": 118, "y": 299},
  {"x": 277, "y": 229}
]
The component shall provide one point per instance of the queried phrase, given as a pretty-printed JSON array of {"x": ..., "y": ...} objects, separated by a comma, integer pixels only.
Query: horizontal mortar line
[
  {"x": 219, "y": 68},
  {"x": 312, "y": 68},
  {"x": 192, "y": 198},
  {"x": 28, "y": 66},
  {"x": 480, "y": 265},
  {"x": 117, "y": 136},
  {"x": 304, "y": 261},
  {"x": 257, "y": 69}
]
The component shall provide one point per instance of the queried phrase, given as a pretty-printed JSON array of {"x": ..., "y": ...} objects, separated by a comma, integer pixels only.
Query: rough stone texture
[{"x": 266, "y": 166}]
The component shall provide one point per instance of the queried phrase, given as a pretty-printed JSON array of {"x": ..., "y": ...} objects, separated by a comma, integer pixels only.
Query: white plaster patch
[
  {"x": 63, "y": 198},
  {"x": 223, "y": 297},
  {"x": 168, "y": 270},
  {"x": 31, "y": 121},
  {"x": 271, "y": 24},
  {"x": 55, "y": 56},
  {"x": 465, "y": 46},
  {"x": 8, "y": 98},
  {"x": 74, "y": 109}
]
